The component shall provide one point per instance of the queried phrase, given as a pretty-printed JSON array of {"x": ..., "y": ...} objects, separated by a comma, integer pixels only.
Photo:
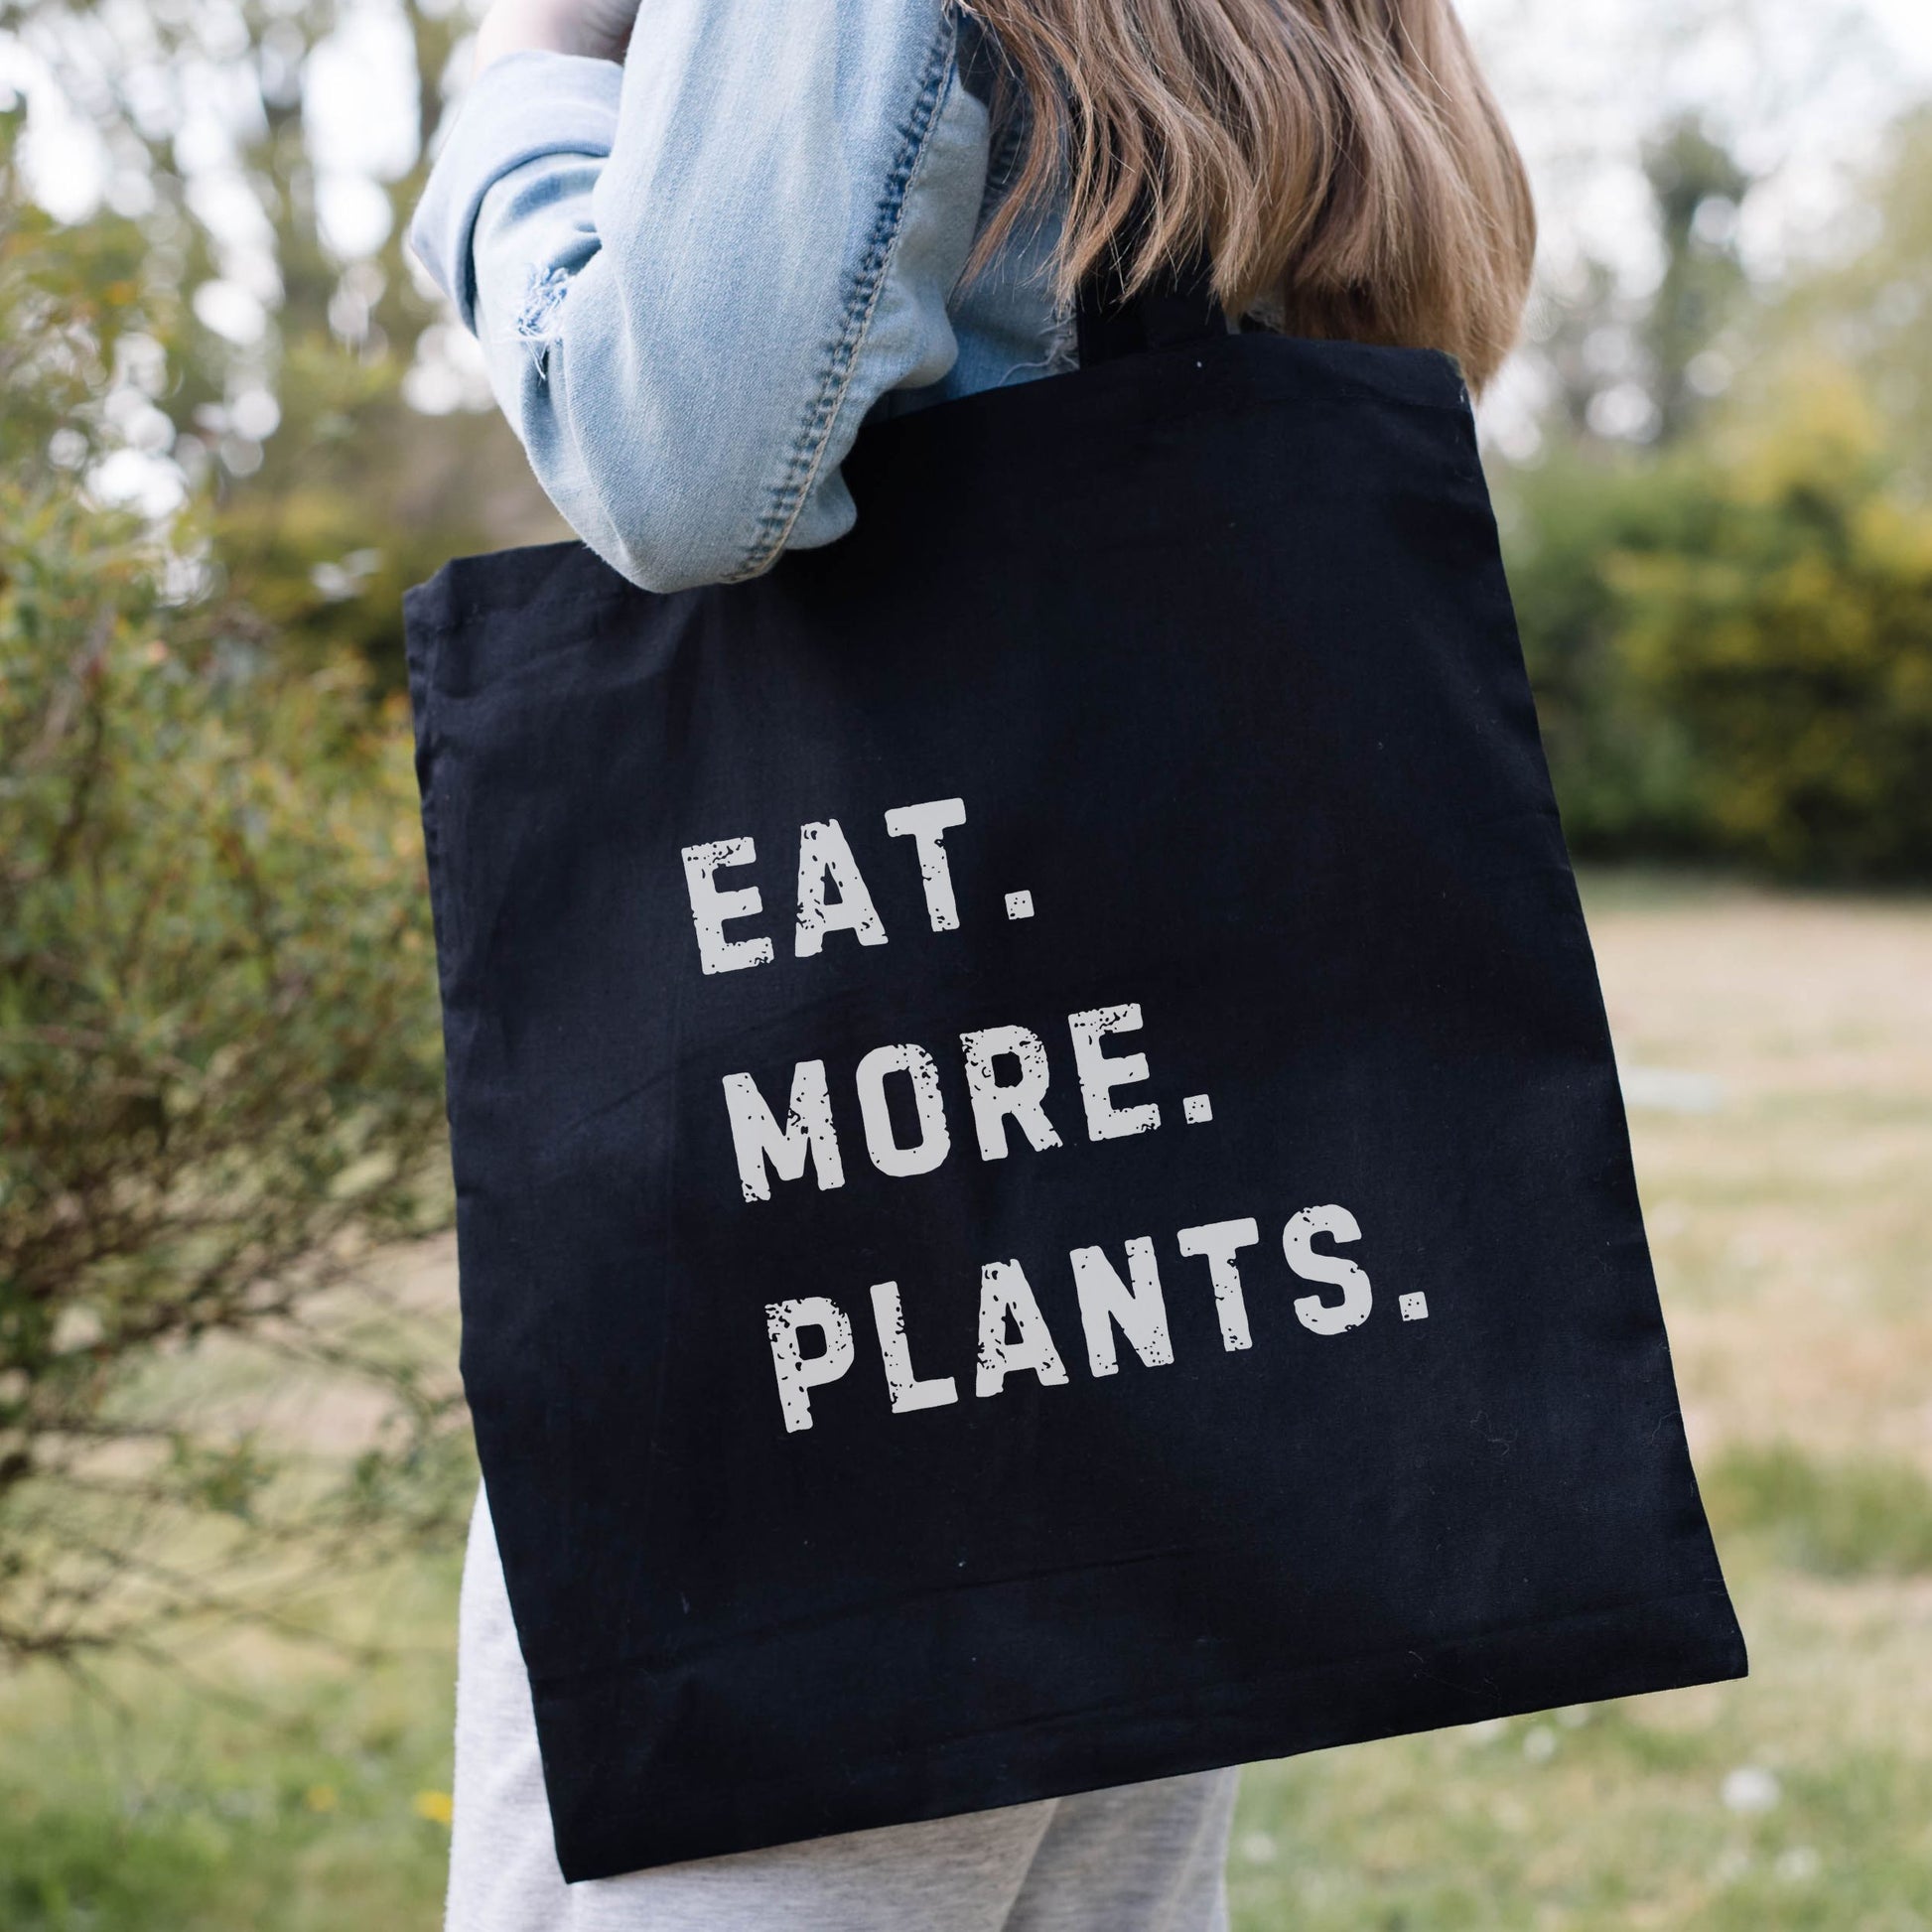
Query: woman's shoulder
[{"x": 694, "y": 277}]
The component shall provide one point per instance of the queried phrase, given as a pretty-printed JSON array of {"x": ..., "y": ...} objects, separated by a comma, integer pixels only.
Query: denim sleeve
[{"x": 693, "y": 276}]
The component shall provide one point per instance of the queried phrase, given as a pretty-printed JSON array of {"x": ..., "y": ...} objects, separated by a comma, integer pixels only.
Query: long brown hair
[{"x": 1342, "y": 162}]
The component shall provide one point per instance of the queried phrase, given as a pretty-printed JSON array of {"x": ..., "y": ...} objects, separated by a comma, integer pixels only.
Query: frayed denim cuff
[{"x": 526, "y": 105}]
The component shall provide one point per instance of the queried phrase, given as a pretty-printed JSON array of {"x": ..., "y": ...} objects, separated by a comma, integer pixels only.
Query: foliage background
[{"x": 236, "y": 423}]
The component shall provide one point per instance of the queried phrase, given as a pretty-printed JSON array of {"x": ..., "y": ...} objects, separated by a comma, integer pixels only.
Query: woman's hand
[{"x": 599, "y": 29}]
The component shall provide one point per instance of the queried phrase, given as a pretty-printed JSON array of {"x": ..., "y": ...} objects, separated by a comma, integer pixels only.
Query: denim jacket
[{"x": 694, "y": 276}]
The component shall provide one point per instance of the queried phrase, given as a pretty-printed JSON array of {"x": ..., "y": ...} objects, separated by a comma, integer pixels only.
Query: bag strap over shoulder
[{"x": 1177, "y": 307}]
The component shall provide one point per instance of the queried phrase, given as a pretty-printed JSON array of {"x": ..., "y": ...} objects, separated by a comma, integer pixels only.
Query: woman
[{"x": 695, "y": 275}]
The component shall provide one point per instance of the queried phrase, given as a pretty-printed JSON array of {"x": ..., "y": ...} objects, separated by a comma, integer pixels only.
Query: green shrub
[
  {"x": 1787, "y": 634},
  {"x": 1732, "y": 641},
  {"x": 1621, "y": 765},
  {"x": 217, "y": 1039}
]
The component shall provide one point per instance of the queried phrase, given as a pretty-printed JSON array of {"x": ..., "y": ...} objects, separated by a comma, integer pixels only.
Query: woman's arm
[
  {"x": 693, "y": 274},
  {"x": 599, "y": 29}
]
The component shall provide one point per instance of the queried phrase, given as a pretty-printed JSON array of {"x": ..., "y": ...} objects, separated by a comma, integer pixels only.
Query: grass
[
  {"x": 1867, "y": 1517},
  {"x": 1791, "y": 1220},
  {"x": 1801, "y": 1798},
  {"x": 262, "y": 1788}
]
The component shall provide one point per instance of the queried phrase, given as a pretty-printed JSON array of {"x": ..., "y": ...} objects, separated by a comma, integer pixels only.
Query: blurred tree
[
  {"x": 1870, "y": 308},
  {"x": 1625, "y": 367},
  {"x": 1728, "y": 623},
  {"x": 1580, "y": 338},
  {"x": 1698, "y": 190},
  {"x": 217, "y": 1042},
  {"x": 312, "y": 382}
]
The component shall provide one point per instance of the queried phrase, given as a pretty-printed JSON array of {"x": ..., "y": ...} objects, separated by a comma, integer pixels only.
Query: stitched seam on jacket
[{"x": 791, "y": 492}]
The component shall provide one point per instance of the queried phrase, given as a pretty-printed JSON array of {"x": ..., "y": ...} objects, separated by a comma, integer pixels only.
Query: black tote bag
[{"x": 1042, "y": 1194}]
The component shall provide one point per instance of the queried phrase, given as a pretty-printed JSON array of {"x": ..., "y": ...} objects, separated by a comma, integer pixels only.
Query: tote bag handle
[{"x": 1177, "y": 307}]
